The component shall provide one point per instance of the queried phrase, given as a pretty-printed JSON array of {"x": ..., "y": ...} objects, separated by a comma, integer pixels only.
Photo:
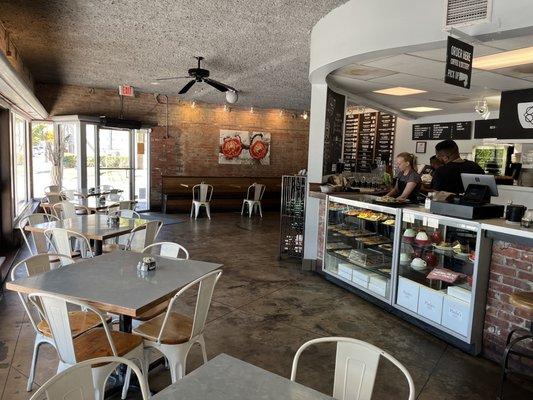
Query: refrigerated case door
[
  {"x": 439, "y": 279},
  {"x": 360, "y": 246}
]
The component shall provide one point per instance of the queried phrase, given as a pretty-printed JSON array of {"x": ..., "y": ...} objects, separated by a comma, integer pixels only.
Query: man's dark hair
[
  {"x": 448, "y": 147},
  {"x": 433, "y": 158}
]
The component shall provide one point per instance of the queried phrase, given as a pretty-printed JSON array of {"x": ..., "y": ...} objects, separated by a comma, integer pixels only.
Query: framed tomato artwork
[{"x": 244, "y": 147}]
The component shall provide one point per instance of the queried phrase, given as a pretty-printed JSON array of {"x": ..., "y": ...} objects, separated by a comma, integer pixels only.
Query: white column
[{"x": 317, "y": 124}]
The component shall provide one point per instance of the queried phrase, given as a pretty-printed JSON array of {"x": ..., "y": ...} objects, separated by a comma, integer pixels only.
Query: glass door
[{"x": 122, "y": 163}]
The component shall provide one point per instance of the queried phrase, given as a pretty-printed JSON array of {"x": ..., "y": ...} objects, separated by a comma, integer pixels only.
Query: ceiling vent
[{"x": 467, "y": 12}]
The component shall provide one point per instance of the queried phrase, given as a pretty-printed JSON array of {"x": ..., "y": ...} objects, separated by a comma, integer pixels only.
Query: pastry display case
[
  {"x": 360, "y": 245},
  {"x": 439, "y": 280}
]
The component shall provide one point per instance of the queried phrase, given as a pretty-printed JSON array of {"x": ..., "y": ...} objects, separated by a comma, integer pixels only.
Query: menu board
[
  {"x": 366, "y": 142},
  {"x": 421, "y": 131},
  {"x": 333, "y": 131},
  {"x": 351, "y": 132},
  {"x": 486, "y": 128},
  {"x": 443, "y": 130},
  {"x": 385, "y": 137}
]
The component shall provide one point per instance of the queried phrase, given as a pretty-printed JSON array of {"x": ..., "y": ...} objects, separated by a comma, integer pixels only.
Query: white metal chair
[
  {"x": 78, "y": 380},
  {"x": 68, "y": 194},
  {"x": 121, "y": 205},
  {"x": 52, "y": 189},
  {"x": 254, "y": 202},
  {"x": 356, "y": 365},
  {"x": 47, "y": 202},
  {"x": 39, "y": 239},
  {"x": 167, "y": 249},
  {"x": 173, "y": 334},
  {"x": 105, "y": 188},
  {"x": 63, "y": 239},
  {"x": 65, "y": 209},
  {"x": 201, "y": 196},
  {"x": 144, "y": 235},
  {"x": 79, "y": 320},
  {"x": 114, "y": 195},
  {"x": 125, "y": 214},
  {"x": 96, "y": 342}
]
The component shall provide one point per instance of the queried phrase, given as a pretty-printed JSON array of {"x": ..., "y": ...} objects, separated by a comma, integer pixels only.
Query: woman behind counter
[{"x": 408, "y": 181}]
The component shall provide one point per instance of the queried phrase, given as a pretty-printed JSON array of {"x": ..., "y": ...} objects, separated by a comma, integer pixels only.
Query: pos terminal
[{"x": 475, "y": 202}]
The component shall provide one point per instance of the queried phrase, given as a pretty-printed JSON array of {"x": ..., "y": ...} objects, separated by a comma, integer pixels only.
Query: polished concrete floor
[{"x": 264, "y": 309}]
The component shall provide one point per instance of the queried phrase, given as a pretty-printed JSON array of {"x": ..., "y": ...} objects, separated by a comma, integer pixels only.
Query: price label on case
[
  {"x": 433, "y": 222},
  {"x": 409, "y": 218}
]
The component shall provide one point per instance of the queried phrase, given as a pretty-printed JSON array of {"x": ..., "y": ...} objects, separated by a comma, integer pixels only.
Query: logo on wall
[
  {"x": 244, "y": 147},
  {"x": 525, "y": 114}
]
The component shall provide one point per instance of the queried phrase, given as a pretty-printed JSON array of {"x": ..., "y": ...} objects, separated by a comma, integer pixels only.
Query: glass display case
[
  {"x": 438, "y": 276},
  {"x": 360, "y": 248}
]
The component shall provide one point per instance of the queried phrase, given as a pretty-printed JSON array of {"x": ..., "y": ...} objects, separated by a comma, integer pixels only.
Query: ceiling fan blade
[
  {"x": 186, "y": 88},
  {"x": 219, "y": 85},
  {"x": 173, "y": 77}
]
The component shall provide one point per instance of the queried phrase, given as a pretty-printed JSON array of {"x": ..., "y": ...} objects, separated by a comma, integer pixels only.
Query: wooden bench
[{"x": 228, "y": 192}]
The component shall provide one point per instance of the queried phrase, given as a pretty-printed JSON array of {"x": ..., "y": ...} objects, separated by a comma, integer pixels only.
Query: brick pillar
[{"x": 511, "y": 271}]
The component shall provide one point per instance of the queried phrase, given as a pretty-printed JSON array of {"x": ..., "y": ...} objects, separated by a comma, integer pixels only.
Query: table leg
[
  {"x": 124, "y": 323},
  {"x": 98, "y": 247}
]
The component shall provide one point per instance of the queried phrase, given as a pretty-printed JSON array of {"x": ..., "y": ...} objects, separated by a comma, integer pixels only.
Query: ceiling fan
[{"x": 199, "y": 75}]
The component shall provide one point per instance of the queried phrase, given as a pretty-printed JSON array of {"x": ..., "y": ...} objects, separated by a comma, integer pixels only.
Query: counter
[{"x": 503, "y": 266}]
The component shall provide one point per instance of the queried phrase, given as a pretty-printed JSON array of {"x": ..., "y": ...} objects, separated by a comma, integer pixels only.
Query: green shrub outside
[{"x": 69, "y": 161}]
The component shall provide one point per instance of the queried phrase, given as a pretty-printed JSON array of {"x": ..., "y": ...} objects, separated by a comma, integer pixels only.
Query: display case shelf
[{"x": 359, "y": 245}]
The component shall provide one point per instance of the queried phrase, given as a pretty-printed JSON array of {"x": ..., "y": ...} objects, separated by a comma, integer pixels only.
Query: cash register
[{"x": 475, "y": 202}]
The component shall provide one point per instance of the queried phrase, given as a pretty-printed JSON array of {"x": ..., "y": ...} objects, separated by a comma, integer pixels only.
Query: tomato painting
[
  {"x": 258, "y": 149},
  {"x": 244, "y": 147},
  {"x": 231, "y": 147}
]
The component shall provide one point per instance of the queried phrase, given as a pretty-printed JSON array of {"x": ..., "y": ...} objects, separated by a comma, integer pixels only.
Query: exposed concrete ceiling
[
  {"x": 259, "y": 47},
  {"x": 424, "y": 70}
]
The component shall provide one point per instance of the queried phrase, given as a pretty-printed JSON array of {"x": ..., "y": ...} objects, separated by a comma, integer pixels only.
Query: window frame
[{"x": 16, "y": 213}]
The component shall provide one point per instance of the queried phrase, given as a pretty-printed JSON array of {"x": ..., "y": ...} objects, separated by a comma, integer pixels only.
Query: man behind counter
[{"x": 448, "y": 177}]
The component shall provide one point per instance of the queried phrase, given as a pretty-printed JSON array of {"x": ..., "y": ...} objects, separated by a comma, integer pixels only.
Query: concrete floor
[{"x": 264, "y": 309}]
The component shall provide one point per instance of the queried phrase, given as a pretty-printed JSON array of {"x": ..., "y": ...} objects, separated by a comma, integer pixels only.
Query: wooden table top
[
  {"x": 112, "y": 283},
  {"x": 92, "y": 226},
  {"x": 227, "y": 378}
]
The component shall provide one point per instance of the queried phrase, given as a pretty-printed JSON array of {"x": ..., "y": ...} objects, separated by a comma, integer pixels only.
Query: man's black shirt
[{"x": 448, "y": 176}]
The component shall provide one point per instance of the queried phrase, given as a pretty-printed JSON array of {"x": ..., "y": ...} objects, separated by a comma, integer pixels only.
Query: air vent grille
[{"x": 467, "y": 12}]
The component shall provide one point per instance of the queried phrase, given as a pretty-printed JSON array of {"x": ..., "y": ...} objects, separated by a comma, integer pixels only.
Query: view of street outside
[{"x": 114, "y": 159}]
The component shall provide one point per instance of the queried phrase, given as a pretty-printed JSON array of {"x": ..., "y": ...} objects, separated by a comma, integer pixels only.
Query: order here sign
[{"x": 459, "y": 63}]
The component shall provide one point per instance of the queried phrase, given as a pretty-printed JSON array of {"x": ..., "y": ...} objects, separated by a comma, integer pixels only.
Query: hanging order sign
[{"x": 458, "y": 63}]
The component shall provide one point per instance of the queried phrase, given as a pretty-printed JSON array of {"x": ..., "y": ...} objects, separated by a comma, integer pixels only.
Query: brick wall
[
  {"x": 511, "y": 271},
  {"x": 9, "y": 49},
  {"x": 191, "y": 147}
]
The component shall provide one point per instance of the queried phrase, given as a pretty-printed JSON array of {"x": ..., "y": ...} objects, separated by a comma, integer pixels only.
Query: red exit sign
[{"x": 126, "y": 90}]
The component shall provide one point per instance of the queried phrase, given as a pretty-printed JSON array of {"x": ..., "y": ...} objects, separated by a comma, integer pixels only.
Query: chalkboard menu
[
  {"x": 486, "y": 128},
  {"x": 333, "y": 131},
  {"x": 351, "y": 132},
  {"x": 443, "y": 130},
  {"x": 385, "y": 137},
  {"x": 366, "y": 142}
]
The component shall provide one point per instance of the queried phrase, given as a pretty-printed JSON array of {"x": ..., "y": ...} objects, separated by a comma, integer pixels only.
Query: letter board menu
[
  {"x": 351, "y": 131},
  {"x": 366, "y": 142},
  {"x": 443, "y": 130},
  {"x": 333, "y": 131},
  {"x": 385, "y": 137}
]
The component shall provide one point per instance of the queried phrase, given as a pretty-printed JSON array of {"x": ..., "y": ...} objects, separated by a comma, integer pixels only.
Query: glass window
[
  {"x": 42, "y": 145},
  {"x": 141, "y": 168},
  {"x": 20, "y": 161},
  {"x": 69, "y": 141},
  {"x": 90, "y": 146}
]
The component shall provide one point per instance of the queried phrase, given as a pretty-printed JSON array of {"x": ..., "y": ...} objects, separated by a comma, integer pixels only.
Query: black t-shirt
[{"x": 448, "y": 176}]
